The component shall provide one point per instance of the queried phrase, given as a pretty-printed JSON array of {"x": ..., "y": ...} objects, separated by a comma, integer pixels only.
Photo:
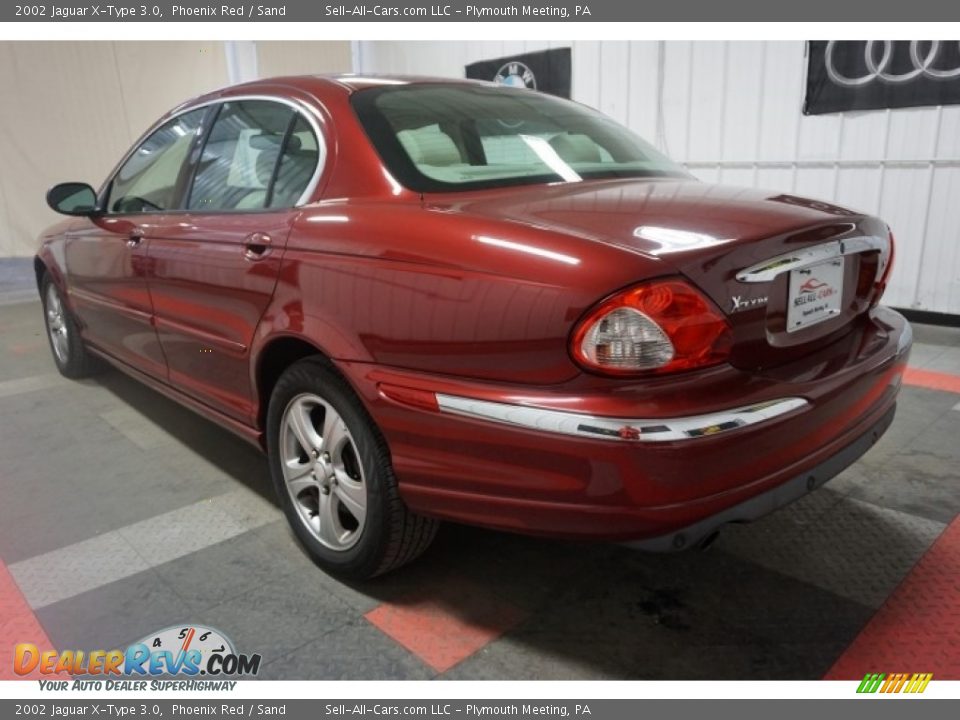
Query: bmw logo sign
[{"x": 516, "y": 74}]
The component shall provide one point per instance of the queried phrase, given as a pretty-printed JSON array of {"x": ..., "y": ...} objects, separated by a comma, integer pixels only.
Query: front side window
[
  {"x": 253, "y": 158},
  {"x": 438, "y": 137},
  {"x": 147, "y": 181}
]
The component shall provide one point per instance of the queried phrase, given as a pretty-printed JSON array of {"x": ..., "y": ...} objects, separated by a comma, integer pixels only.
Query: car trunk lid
[{"x": 754, "y": 253}]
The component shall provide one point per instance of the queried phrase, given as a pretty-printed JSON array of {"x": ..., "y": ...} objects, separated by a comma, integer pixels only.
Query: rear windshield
[{"x": 437, "y": 137}]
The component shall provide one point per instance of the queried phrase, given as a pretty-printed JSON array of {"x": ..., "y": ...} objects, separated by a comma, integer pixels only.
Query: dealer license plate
[{"x": 816, "y": 294}]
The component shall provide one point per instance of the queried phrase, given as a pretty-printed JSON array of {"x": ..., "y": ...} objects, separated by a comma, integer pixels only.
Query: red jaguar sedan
[{"x": 446, "y": 300}]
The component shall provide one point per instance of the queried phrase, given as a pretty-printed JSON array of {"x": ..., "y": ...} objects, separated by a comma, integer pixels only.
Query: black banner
[
  {"x": 547, "y": 71},
  {"x": 870, "y": 74},
  {"x": 220, "y": 707},
  {"x": 529, "y": 11}
]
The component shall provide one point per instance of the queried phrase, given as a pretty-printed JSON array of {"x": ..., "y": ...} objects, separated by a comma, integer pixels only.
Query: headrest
[
  {"x": 575, "y": 148},
  {"x": 429, "y": 146},
  {"x": 272, "y": 141}
]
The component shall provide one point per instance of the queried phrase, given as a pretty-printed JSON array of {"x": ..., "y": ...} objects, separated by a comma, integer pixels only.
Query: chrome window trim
[
  {"x": 769, "y": 269},
  {"x": 304, "y": 109},
  {"x": 619, "y": 429}
]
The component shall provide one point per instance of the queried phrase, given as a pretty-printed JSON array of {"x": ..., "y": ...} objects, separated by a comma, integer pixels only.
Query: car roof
[
  {"x": 359, "y": 82},
  {"x": 350, "y": 82},
  {"x": 319, "y": 86}
]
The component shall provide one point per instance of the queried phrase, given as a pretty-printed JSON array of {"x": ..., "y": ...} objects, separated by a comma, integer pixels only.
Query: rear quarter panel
[{"x": 397, "y": 284}]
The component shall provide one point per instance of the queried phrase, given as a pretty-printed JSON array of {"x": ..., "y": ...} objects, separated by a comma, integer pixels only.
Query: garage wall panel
[
  {"x": 782, "y": 97},
  {"x": 858, "y": 188},
  {"x": 742, "y": 176},
  {"x": 819, "y": 137},
  {"x": 708, "y": 99},
  {"x": 864, "y": 136},
  {"x": 731, "y": 111},
  {"x": 155, "y": 77},
  {"x": 815, "y": 182},
  {"x": 63, "y": 118},
  {"x": 940, "y": 264},
  {"x": 743, "y": 91},
  {"x": 948, "y": 139},
  {"x": 913, "y": 134},
  {"x": 614, "y": 84},
  {"x": 587, "y": 73},
  {"x": 302, "y": 58},
  {"x": 778, "y": 178},
  {"x": 710, "y": 174},
  {"x": 677, "y": 99},
  {"x": 905, "y": 207},
  {"x": 642, "y": 110}
]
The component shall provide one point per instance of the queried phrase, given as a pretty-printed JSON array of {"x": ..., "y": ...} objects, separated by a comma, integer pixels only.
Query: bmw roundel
[{"x": 516, "y": 74}]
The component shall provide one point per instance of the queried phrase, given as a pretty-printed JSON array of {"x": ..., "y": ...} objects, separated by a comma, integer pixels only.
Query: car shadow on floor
[
  {"x": 577, "y": 610},
  {"x": 233, "y": 456},
  {"x": 566, "y": 610}
]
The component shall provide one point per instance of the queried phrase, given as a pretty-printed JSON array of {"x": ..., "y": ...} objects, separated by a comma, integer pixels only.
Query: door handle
[
  {"x": 256, "y": 246},
  {"x": 134, "y": 237}
]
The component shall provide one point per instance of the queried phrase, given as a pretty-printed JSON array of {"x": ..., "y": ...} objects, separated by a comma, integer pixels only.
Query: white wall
[
  {"x": 71, "y": 109},
  {"x": 731, "y": 113}
]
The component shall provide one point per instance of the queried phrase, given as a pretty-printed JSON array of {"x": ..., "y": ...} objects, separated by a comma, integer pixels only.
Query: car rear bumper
[
  {"x": 773, "y": 499},
  {"x": 642, "y": 461}
]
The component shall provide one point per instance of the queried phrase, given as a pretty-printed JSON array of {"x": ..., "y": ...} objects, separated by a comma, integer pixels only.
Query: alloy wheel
[
  {"x": 322, "y": 471},
  {"x": 57, "y": 325}
]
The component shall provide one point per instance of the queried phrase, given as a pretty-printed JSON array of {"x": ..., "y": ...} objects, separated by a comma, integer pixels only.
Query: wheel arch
[
  {"x": 39, "y": 270},
  {"x": 276, "y": 355},
  {"x": 47, "y": 263}
]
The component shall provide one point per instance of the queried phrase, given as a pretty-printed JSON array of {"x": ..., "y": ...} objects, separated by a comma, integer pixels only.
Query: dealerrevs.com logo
[{"x": 191, "y": 651}]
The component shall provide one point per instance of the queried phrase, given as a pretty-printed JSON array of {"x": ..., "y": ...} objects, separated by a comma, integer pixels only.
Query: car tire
[
  {"x": 70, "y": 355},
  {"x": 344, "y": 474}
]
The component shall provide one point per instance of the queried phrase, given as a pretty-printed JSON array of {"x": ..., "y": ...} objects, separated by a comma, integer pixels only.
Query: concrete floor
[{"x": 123, "y": 513}]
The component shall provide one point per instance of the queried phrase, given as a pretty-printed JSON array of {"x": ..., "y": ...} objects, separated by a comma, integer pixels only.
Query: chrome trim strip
[
  {"x": 306, "y": 110},
  {"x": 625, "y": 429},
  {"x": 769, "y": 269},
  {"x": 906, "y": 338}
]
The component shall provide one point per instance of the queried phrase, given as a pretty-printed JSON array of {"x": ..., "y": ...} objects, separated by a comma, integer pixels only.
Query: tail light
[
  {"x": 659, "y": 326},
  {"x": 881, "y": 285}
]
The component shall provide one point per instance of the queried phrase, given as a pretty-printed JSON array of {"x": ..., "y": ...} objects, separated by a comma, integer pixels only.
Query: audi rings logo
[{"x": 925, "y": 60}]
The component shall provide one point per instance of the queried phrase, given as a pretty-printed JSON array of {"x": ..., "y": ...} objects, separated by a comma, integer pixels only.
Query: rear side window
[
  {"x": 258, "y": 154},
  {"x": 148, "y": 180},
  {"x": 435, "y": 137},
  {"x": 298, "y": 162}
]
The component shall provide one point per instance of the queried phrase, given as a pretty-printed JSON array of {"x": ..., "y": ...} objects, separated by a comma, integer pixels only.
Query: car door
[
  {"x": 106, "y": 256},
  {"x": 214, "y": 270}
]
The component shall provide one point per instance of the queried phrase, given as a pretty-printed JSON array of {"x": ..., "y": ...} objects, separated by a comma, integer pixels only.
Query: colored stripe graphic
[
  {"x": 871, "y": 682},
  {"x": 931, "y": 379},
  {"x": 919, "y": 624},
  {"x": 445, "y": 625},
  {"x": 18, "y": 624},
  {"x": 898, "y": 682}
]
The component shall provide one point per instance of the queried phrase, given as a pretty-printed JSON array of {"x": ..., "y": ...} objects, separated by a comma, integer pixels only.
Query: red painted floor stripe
[
  {"x": 445, "y": 627},
  {"x": 933, "y": 380},
  {"x": 918, "y": 628},
  {"x": 18, "y": 624}
]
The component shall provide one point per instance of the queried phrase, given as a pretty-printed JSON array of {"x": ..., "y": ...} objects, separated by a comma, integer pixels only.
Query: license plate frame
[{"x": 815, "y": 294}]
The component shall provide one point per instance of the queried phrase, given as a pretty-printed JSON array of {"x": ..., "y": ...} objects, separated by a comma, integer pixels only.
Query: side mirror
[{"x": 73, "y": 198}]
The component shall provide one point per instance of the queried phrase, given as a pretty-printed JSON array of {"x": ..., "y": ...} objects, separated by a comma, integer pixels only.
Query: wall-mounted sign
[
  {"x": 548, "y": 71},
  {"x": 869, "y": 74}
]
